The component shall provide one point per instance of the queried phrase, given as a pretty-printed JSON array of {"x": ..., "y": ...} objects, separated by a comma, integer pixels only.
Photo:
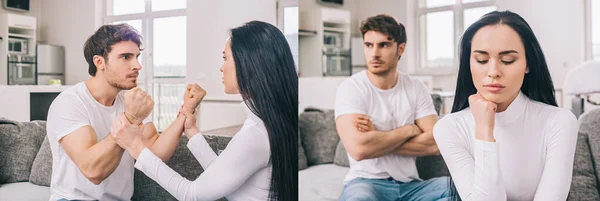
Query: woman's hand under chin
[{"x": 484, "y": 113}]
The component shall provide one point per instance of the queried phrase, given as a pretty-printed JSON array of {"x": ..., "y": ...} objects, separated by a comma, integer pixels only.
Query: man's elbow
[
  {"x": 94, "y": 176},
  {"x": 434, "y": 150},
  {"x": 359, "y": 153}
]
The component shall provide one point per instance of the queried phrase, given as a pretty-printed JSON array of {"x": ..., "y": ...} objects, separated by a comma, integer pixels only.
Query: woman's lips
[{"x": 494, "y": 87}]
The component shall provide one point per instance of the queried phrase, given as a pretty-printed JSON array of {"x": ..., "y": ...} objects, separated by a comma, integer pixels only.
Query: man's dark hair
[
  {"x": 105, "y": 37},
  {"x": 384, "y": 24}
]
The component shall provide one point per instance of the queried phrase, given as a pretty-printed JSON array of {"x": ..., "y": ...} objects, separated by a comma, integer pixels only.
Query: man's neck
[
  {"x": 103, "y": 92},
  {"x": 386, "y": 81}
]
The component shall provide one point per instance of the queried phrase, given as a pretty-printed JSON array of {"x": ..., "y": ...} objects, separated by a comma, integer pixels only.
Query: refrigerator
[{"x": 50, "y": 63}]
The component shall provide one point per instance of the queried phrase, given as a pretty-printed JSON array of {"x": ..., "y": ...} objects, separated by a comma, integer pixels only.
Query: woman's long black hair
[
  {"x": 268, "y": 83},
  {"x": 537, "y": 84}
]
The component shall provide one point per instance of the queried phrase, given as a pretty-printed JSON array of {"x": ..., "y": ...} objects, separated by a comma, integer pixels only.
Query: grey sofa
[
  {"x": 26, "y": 163},
  {"x": 322, "y": 159},
  {"x": 586, "y": 178},
  {"x": 323, "y": 163}
]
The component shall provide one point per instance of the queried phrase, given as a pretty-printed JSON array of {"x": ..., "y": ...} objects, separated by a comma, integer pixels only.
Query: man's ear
[
  {"x": 99, "y": 62},
  {"x": 401, "y": 48}
]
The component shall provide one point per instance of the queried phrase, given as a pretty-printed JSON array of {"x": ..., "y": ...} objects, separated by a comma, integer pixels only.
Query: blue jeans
[{"x": 361, "y": 189}]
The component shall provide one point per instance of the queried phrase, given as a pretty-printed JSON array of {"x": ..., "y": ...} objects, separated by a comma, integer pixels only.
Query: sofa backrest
[{"x": 19, "y": 145}]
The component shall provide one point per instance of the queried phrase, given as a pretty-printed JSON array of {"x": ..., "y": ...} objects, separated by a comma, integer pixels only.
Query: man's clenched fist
[{"x": 138, "y": 105}]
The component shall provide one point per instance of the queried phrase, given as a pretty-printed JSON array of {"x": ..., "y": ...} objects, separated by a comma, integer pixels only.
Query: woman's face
[
  {"x": 498, "y": 63},
  {"x": 228, "y": 69}
]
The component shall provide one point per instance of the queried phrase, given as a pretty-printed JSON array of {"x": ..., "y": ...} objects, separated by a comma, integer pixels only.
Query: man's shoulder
[
  {"x": 69, "y": 97},
  {"x": 355, "y": 81}
]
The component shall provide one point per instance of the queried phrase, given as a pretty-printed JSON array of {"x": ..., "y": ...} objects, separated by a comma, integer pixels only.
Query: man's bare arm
[
  {"x": 95, "y": 159},
  {"x": 422, "y": 144},
  {"x": 370, "y": 144}
]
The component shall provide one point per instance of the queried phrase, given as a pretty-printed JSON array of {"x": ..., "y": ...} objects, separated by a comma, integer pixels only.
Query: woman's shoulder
[
  {"x": 453, "y": 122},
  {"x": 553, "y": 114}
]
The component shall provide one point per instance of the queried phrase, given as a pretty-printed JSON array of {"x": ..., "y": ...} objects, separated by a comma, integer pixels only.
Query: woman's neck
[{"x": 504, "y": 105}]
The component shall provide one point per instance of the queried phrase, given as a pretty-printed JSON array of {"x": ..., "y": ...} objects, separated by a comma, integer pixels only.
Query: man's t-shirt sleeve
[
  {"x": 349, "y": 100},
  {"x": 66, "y": 114},
  {"x": 425, "y": 105}
]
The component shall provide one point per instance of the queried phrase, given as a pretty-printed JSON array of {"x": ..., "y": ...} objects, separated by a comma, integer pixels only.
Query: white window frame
[
  {"x": 147, "y": 79},
  {"x": 281, "y": 5},
  {"x": 421, "y": 48},
  {"x": 588, "y": 30}
]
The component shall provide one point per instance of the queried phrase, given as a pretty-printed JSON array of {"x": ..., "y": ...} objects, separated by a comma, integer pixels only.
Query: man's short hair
[
  {"x": 105, "y": 37},
  {"x": 384, "y": 24}
]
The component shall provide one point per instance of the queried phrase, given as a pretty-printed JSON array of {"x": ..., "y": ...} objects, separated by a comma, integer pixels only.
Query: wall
[
  {"x": 207, "y": 29},
  {"x": 58, "y": 27}
]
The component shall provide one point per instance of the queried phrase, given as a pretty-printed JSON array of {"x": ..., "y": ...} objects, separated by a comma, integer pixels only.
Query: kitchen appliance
[
  {"x": 17, "y": 46},
  {"x": 50, "y": 63},
  {"x": 18, "y": 5},
  {"x": 336, "y": 62},
  {"x": 332, "y": 39},
  {"x": 333, "y": 2},
  {"x": 21, "y": 70}
]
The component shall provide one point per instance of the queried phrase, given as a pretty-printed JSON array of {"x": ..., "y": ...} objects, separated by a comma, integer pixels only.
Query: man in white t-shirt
[
  {"x": 87, "y": 164},
  {"x": 385, "y": 119}
]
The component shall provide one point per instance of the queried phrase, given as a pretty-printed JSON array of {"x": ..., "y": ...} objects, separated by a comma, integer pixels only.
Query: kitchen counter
[{"x": 15, "y": 100}]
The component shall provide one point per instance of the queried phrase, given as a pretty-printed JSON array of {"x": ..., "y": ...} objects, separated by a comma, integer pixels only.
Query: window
[
  {"x": 162, "y": 24},
  {"x": 594, "y": 22},
  {"x": 441, "y": 23},
  {"x": 288, "y": 22}
]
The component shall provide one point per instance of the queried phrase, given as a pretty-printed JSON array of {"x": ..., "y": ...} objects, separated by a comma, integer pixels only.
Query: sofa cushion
[
  {"x": 24, "y": 191},
  {"x": 319, "y": 135},
  {"x": 341, "y": 157},
  {"x": 41, "y": 170},
  {"x": 584, "y": 183},
  {"x": 321, "y": 182},
  {"x": 302, "y": 163},
  {"x": 19, "y": 144},
  {"x": 182, "y": 162}
]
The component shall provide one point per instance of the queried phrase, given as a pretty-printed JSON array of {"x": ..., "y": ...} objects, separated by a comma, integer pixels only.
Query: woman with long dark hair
[
  {"x": 506, "y": 139},
  {"x": 260, "y": 162}
]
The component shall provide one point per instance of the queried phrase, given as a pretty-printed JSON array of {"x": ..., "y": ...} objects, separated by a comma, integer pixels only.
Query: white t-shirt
[
  {"x": 241, "y": 172},
  {"x": 72, "y": 109},
  {"x": 532, "y": 158},
  {"x": 388, "y": 109}
]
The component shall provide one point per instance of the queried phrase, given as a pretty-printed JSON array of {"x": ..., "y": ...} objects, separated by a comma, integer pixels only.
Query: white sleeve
[
  {"x": 66, "y": 114},
  {"x": 348, "y": 99},
  {"x": 425, "y": 105},
  {"x": 201, "y": 150},
  {"x": 476, "y": 177},
  {"x": 558, "y": 169},
  {"x": 238, "y": 162}
]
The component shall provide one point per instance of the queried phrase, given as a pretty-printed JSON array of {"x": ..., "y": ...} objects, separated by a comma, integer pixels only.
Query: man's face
[
  {"x": 122, "y": 66},
  {"x": 381, "y": 52}
]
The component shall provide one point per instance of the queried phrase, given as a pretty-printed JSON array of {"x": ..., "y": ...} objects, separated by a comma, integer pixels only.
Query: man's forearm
[
  {"x": 103, "y": 158},
  {"x": 378, "y": 143},
  {"x": 420, "y": 145},
  {"x": 166, "y": 143}
]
